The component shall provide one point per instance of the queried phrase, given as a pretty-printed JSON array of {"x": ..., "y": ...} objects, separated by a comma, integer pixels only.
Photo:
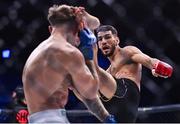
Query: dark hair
[
  {"x": 107, "y": 28},
  {"x": 61, "y": 14}
]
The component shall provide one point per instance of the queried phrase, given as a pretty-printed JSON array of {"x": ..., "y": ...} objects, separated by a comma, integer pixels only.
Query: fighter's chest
[
  {"x": 116, "y": 65},
  {"x": 119, "y": 64}
]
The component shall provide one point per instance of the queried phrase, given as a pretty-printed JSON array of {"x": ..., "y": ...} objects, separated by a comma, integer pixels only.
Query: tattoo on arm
[{"x": 96, "y": 107}]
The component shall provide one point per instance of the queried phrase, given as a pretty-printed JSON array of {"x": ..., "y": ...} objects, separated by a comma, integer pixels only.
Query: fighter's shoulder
[
  {"x": 67, "y": 55},
  {"x": 131, "y": 49},
  {"x": 64, "y": 49}
]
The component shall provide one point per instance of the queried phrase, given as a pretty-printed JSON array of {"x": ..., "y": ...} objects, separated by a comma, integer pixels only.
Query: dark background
[{"x": 151, "y": 25}]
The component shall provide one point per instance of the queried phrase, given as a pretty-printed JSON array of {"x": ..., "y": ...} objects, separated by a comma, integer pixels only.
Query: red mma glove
[{"x": 162, "y": 69}]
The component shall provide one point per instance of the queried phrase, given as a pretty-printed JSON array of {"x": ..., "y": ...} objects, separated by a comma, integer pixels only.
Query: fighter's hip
[{"x": 49, "y": 116}]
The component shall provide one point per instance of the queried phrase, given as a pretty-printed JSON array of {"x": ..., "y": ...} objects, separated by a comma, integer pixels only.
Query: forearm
[
  {"x": 152, "y": 63},
  {"x": 96, "y": 107},
  {"x": 158, "y": 68},
  {"x": 95, "y": 80},
  {"x": 145, "y": 60},
  {"x": 95, "y": 56}
]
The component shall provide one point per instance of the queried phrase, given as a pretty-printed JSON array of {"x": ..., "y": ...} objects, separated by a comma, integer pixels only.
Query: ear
[
  {"x": 50, "y": 29},
  {"x": 117, "y": 41}
]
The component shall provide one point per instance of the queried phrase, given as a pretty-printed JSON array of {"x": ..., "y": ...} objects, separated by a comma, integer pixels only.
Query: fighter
[
  {"x": 122, "y": 98},
  {"x": 56, "y": 65}
]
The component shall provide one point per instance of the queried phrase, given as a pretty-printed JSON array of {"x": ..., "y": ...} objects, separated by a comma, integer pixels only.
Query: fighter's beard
[{"x": 111, "y": 52}]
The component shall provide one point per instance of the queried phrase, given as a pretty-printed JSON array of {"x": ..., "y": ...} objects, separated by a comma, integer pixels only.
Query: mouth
[{"x": 105, "y": 48}]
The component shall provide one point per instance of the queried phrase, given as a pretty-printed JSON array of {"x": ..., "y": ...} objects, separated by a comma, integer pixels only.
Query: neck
[
  {"x": 116, "y": 51},
  {"x": 58, "y": 33}
]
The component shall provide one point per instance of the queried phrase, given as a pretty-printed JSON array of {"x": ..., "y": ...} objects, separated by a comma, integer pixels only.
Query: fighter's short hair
[
  {"x": 107, "y": 28},
  {"x": 60, "y": 14}
]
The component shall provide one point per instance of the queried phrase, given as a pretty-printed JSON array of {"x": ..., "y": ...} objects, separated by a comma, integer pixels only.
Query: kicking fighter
[{"x": 126, "y": 68}]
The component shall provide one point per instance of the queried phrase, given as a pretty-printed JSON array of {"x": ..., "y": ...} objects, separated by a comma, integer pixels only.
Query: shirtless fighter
[
  {"x": 56, "y": 65},
  {"x": 126, "y": 68}
]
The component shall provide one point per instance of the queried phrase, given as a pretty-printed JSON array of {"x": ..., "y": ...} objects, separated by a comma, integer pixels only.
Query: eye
[
  {"x": 107, "y": 36},
  {"x": 99, "y": 38}
]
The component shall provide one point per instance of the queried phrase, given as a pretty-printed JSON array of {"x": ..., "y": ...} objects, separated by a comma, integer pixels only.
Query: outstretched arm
[{"x": 157, "y": 67}]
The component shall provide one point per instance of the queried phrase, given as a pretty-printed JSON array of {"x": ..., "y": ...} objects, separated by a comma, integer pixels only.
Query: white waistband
[{"x": 47, "y": 115}]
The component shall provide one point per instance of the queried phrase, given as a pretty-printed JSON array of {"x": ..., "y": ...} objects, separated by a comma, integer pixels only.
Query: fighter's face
[{"x": 107, "y": 42}]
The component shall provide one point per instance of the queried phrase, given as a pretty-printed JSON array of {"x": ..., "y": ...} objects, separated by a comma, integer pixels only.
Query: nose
[{"x": 103, "y": 41}]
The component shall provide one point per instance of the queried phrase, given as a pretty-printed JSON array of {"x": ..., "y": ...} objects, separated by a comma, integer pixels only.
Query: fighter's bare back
[{"x": 45, "y": 78}]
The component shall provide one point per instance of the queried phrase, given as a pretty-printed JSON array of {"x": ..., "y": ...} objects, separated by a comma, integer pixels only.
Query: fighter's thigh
[{"x": 107, "y": 83}]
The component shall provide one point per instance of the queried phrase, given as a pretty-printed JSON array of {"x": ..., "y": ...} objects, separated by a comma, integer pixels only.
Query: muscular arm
[
  {"x": 139, "y": 57},
  {"x": 158, "y": 68},
  {"x": 94, "y": 105},
  {"x": 83, "y": 80}
]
